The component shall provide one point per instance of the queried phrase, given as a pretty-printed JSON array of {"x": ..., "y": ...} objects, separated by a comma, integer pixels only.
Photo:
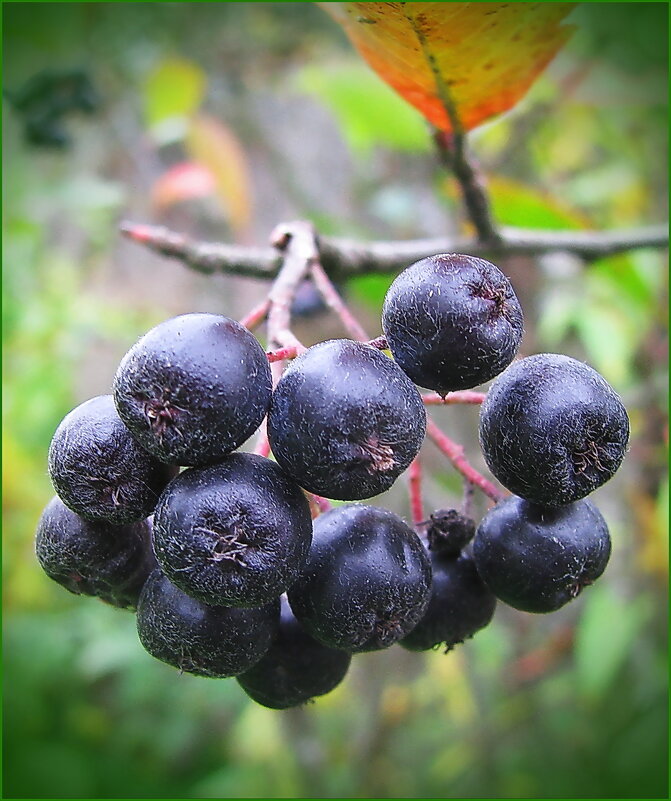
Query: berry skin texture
[
  {"x": 367, "y": 582},
  {"x": 94, "y": 558},
  {"x": 99, "y": 470},
  {"x": 345, "y": 421},
  {"x": 233, "y": 534},
  {"x": 537, "y": 559},
  {"x": 296, "y": 668},
  {"x": 460, "y": 605},
  {"x": 452, "y": 322},
  {"x": 552, "y": 430},
  {"x": 212, "y": 641},
  {"x": 193, "y": 388}
]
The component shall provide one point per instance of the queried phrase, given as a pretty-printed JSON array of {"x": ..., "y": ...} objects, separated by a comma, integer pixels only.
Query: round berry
[
  {"x": 235, "y": 534},
  {"x": 552, "y": 429},
  {"x": 94, "y": 558},
  {"x": 296, "y": 668},
  {"x": 212, "y": 641},
  {"x": 99, "y": 470},
  {"x": 345, "y": 421},
  {"x": 194, "y": 388},
  {"x": 452, "y": 321},
  {"x": 367, "y": 581},
  {"x": 460, "y": 605},
  {"x": 536, "y": 558}
]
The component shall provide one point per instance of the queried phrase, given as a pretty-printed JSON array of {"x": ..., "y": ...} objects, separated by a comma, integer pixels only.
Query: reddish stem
[
  {"x": 322, "y": 504},
  {"x": 283, "y": 353},
  {"x": 461, "y": 396},
  {"x": 455, "y": 453},
  {"x": 467, "y": 502},
  {"x": 256, "y": 316},
  {"x": 415, "y": 488},
  {"x": 333, "y": 300},
  {"x": 262, "y": 447}
]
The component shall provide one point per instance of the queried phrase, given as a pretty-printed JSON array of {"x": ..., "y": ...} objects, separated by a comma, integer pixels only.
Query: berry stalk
[
  {"x": 333, "y": 300},
  {"x": 455, "y": 453},
  {"x": 415, "y": 490}
]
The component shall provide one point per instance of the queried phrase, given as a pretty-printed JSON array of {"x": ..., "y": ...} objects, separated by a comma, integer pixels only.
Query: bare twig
[
  {"x": 455, "y": 453},
  {"x": 347, "y": 258},
  {"x": 205, "y": 257},
  {"x": 333, "y": 300},
  {"x": 297, "y": 242},
  {"x": 453, "y": 155}
]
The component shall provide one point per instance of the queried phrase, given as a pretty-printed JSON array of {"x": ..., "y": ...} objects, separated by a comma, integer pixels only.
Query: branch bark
[{"x": 345, "y": 258}]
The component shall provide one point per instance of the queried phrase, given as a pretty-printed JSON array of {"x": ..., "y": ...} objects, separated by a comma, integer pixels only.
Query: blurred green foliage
[{"x": 568, "y": 705}]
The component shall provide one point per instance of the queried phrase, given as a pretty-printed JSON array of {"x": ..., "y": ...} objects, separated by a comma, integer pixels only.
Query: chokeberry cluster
[{"x": 231, "y": 569}]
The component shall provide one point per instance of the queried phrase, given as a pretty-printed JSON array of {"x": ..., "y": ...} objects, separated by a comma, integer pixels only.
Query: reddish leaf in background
[
  {"x": 184, "y": 181},
  {"x": 470, "y": 61}
]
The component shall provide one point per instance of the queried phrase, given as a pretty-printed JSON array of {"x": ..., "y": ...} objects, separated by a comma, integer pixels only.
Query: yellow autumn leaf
[
  {"x": 213, "y": 145},
  {"x": 470, "y": 61}
]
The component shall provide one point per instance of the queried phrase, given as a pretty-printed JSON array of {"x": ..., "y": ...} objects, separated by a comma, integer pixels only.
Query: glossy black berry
[
  {"x": 536, "y": 558},
  {"x": 194, "y": 388},
  {"x": 552, "y": 429},
  {"x": 461, "y": 604},
  {"x": 94, "y": 558},
  {"x": 296, "y": 668},
  {"x": 99, "y": 470},
  {"x": 452, "y": 321},
  {"x": 212, "y": 641},
  {"x": 345, "y": 421},
  {"x": 235, "y": 534},
  {"x": 367, "y": 582}
]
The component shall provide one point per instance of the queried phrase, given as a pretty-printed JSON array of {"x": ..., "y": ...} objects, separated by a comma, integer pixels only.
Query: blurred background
[{"x": 221, "y": 120}]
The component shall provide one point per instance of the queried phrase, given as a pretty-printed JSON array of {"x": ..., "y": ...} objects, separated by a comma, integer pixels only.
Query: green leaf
[
  {"x": 608, "y": 341},
  {"x": 173, "y": 91},
  {"x": 606, "y": 632},
  {"x": 370, "y": 289},
  {"x": 515, "y": 203},
  {"x": 369, "y": 112},
  {"x": 558, "y": 312}
]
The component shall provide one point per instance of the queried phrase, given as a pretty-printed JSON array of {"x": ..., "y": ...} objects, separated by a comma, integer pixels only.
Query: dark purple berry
[
  {"x": 345, "y": 421},
  {"x": 94, "y": 558},
  {"x": 194, "y": 388},
  {"x": 99, "y": 470},
  {"x": 460, "y": 605},
  {"x": 235, "y": 534},
  {"x": 552, "y": 430},
  {"x": 536, "y": 558},
  {"x": 452, "y": 321},
  {"x": 296, "y": 668},
  {"x": 367, "y": 581},
  {"x": 212, "y": 641}
]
